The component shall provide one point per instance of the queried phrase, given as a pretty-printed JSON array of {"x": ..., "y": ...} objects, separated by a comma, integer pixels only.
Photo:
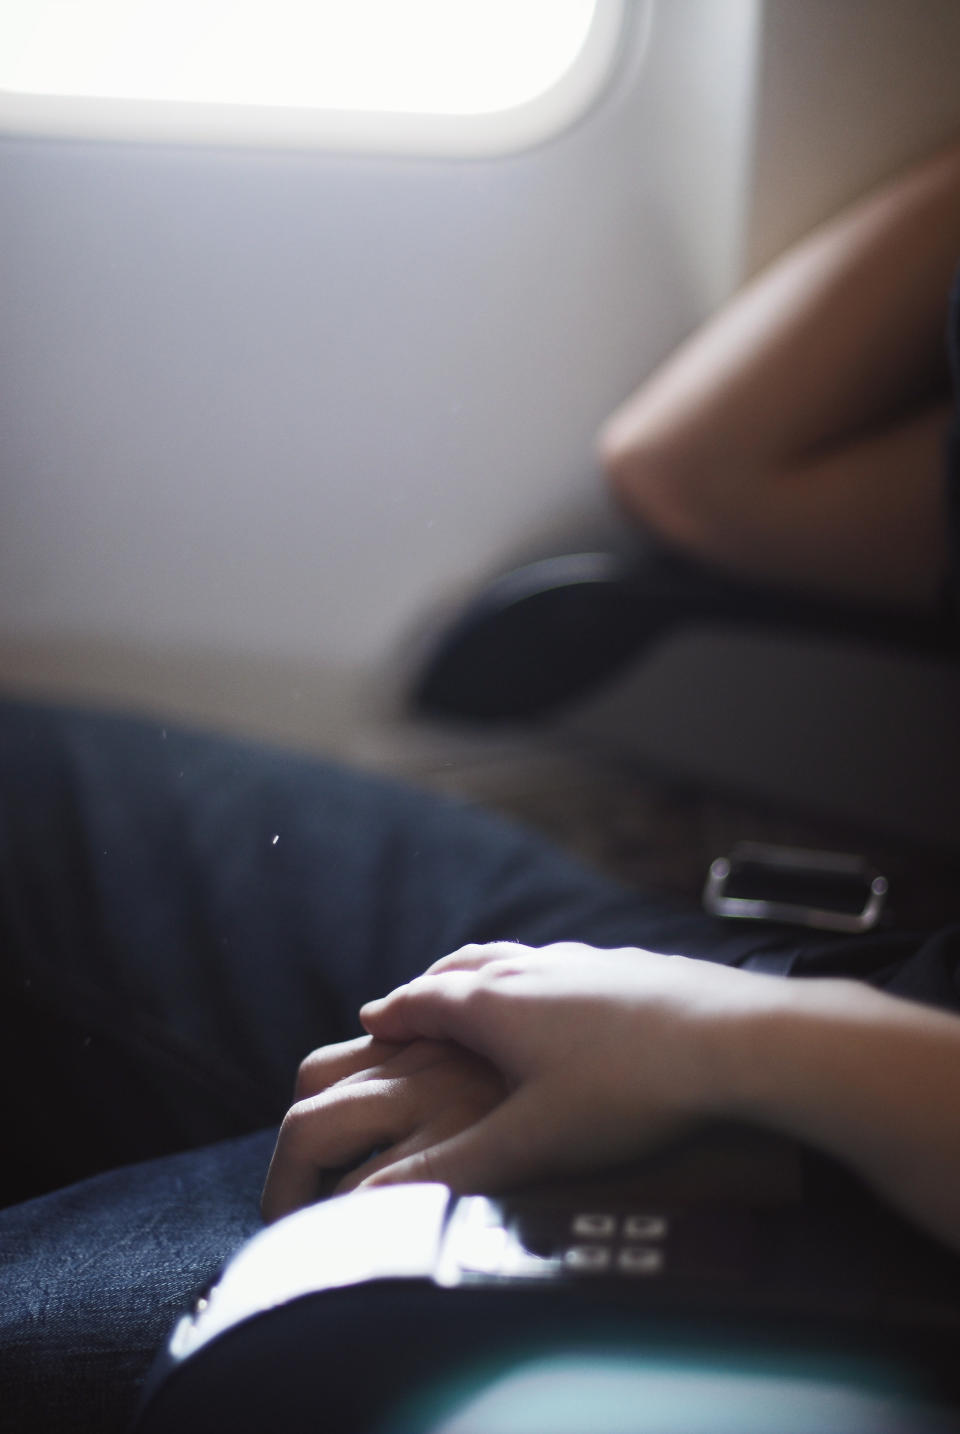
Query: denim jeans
[{"x": 182, "y": 918}]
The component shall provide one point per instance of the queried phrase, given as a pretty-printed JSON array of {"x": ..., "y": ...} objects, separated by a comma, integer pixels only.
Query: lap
[
  {"x": 181, "y": 919},
  {"x": 95, "y": 1275}
]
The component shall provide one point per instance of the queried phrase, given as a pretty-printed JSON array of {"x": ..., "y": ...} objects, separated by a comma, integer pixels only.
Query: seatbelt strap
[{"x": 771, "y": 963}]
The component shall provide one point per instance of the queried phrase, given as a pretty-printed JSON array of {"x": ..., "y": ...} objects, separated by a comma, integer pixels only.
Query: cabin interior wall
[
  {"x": 265, "y": 413},
  {"x": 264, "y": 416}
]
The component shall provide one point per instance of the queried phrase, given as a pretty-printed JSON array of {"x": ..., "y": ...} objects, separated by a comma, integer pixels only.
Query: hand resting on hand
[
  {"x": 505, "y": 1064},
  {"x": 368, "y": 1104}
]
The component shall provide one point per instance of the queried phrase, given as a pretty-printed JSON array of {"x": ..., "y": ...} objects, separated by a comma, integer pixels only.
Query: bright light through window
[{"x": 398, "y": 57}]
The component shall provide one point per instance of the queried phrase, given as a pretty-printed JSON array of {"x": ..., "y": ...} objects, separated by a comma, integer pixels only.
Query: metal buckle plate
[{"x": 828, "y": 890}]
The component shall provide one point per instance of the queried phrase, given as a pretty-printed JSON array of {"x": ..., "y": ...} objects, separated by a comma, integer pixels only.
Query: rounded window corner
[{"x": 426, "y": 133}]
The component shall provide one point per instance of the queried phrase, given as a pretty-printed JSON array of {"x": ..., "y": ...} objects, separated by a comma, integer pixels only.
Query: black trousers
[{"x": 182, "y": 918}]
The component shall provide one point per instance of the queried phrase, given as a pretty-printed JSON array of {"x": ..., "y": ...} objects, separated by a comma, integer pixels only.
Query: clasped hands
[{"x": 504, "y": 1063}]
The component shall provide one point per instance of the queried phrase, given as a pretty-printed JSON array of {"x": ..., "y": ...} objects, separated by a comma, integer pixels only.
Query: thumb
[{"x": 433, "y": 1006}]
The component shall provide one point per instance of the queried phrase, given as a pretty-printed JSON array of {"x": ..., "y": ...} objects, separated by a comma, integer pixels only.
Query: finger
[
  {"x": 366, "y": 1058},
  {"x": 328, "y": 1132},
  {"x": 470, "y": 1089},
  {"x": 411, "y": 1058},
  {"x": 467, "y": 958},
  {"x": 329, "y": 1064},
  {"x": 431, "y": 1006},
  {"x": 495, "y": 1153},
  {"x": 475, "y": 956},
  {"x": 392, "y": 1155}
]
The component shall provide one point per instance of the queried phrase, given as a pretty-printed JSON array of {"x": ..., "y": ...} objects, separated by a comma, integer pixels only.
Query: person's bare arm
[
  {"x": 872, "y": 1079},
  {"x": 606, "y": 1053},
  {"x": 797, "y": 436}
]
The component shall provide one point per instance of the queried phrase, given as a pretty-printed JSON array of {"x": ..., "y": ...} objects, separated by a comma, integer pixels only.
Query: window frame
[{"x": 493, "y": 133}]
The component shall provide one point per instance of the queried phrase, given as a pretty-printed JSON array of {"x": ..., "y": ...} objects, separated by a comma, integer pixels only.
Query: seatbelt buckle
[{"x": 826, "y": 890}]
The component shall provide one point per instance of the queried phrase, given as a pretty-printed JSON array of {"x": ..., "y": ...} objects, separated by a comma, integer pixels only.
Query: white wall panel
[{"x": 260, "y": 412}]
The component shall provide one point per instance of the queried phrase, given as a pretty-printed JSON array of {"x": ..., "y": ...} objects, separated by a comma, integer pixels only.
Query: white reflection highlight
[{"x": 453, "y": 57}]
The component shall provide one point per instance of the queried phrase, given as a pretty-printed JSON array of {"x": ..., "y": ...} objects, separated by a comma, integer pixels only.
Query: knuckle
[
  {"x": 296, "y": 1125},
  {"x": 423, "y": 1166}
]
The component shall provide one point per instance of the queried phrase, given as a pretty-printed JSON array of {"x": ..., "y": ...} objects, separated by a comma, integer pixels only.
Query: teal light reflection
[{"x": 589, "y": 1392}]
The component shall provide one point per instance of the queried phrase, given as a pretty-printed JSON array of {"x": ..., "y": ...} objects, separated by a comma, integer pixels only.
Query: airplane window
[{"x": 433, "y": 75}]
